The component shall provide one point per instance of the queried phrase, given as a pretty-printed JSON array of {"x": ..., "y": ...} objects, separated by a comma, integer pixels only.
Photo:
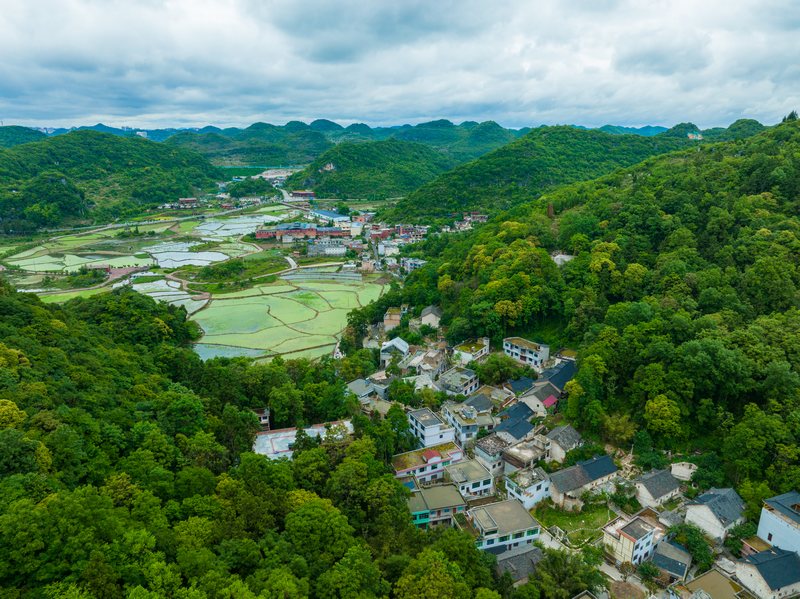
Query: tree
[
  {"x": 561, "y": 575},
  {"x": 10, "y": 414},
  {"x": 663, "y": 417},
  {"x": 355, "y": 575},
  {"x": 431, "y": 576}
]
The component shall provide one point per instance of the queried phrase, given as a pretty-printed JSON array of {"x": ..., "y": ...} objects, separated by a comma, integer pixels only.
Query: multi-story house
[
  {"x": 501, "y": 526},
  {"x": 526, "y": 454},
  {"x": 469, "y": 417},
  {"x": 471, "y": 477},
  {"x": 780, "y": 521},
  {"x": 429, "y": 428},
  {"x": 527, "y": 352},
  {"x": 471, "y": 351},
  {"x": 489, "y": 452},
  {"x": 391, "y": 319},
  {"x": 629, "y": 540},
  {"x": 393, "y": 350},
  {"x": 427, "y": 464},
  {"x": 530, "y": 486},
  {"x": 459, "y": 381},
  {"x": 431, "y": 506}
]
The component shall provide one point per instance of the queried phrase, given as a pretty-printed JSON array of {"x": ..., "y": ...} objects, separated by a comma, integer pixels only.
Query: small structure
[
  {"x": 278, "y": 443},
  {"x": 683, "y": 471},
  {"x": 394, "y": 349},
  {"x": 568, "y": 485},
  {"x": 263, "y": 419},
  {"x": 714, "y": 585},
  {"x": 770, "y": 574},
  {"x": 526, "y": 454},
  {"x": 188, "y": 203},
  {"x": 426, "y": 464},
  {"x": 459, "y": 381},
  {"x": 528, "y": 486},
  {"x": 431, "y": 316},
  {"x": 499, "y": 527},
  {"x": 563, "y": 439},
  {"x": 541, "y": 398},
  {"x": 489, "y": 452},
  {"x": 519, "y": 563},
  {"x": 362, "y": 389},
  {"x": 656, "y": 487},
  {"x": 780, "y": 521},
  {"x": 470, "y": 351},
  {"x": 715, "y": 512},
  {"x": 471, "y": 477},
  {"x": 431, "y": 506},
  {"x": 391, "y": 319},
  {"x": 629, "y": 540},
  {"x": 429, "y": 428},
  {"x": 673, "y": 560},
  {"x": 527, "y": 352}
]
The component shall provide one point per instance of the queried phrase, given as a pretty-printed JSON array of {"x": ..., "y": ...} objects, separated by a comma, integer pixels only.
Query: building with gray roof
[
  {"x": 770, "y": 574},
  {"x": 567, "y": 485},
  {"x": 656, "y": 487},
  {"x": 715, "y": 512},
  {"x": 779, "y": 524},
  {"x": 563, "y": 439},
  {"x": 435, "y": 505},
  {"x": 501, "y": 526},
  {"x": 472, "y": 477},
  {"x": 519, "y": 562},
  {"x": 672, "y": 559}
]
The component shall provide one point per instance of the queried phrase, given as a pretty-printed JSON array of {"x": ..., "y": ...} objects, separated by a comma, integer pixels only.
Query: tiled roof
[
  {"x": 520, "y": 385},
  {"x": 779, "y": 568},
  {"x": 659, "y": 483},
  {"x": 560, "y": 374},
  {"x": 583, "y": 473},
  {"x": 787, "y": 504},
  {"x": 435, "y": 310},
  {"x": 673, "y": 559},
  {"x": 725, "y": 504},
  {"x": 566, "y": 436},
  {"x": 516, "y": 428},
  {"x": 519, "y": 562},
  {"x": 480, "y": 402}
]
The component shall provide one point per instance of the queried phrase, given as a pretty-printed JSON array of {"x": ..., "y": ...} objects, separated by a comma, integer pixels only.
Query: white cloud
[{"x": 231, "y": 62}]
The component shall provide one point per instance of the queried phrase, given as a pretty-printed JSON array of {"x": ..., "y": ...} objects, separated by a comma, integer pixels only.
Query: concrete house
[
  {"x": 431, "y": 362},
  {"x": 527, "y": 352},
  {"x": 541, "y": 398},
  {"x": 427, "y": 464},
  {"x": 526, "y": 454},
  {"x": 656, "y": 487},
  {"x": 393, "y": 350},
  {"x": 501, "y": 526},
  {"x": 459, "y": 381},
  {"x": 471, "y": 477},
  {"x": 470, "y": 351},
  {"x": 629, "y": 540},
  {"x": 715, "y": 512},
  {"x": 528, "y": 486},
  {"x": 568, "y": 485},
  {"x": 431, "y": 506},
  {"x": 431, "y": 316},
  {"x": 469, "y": 417},
  {"x": 770, "y": 574},
  {"x": 391, "y": 319},
  {"x": 515, "y": 422},
  {"x": 429, "y": 428},
  {"x": 489, "y": 452},
  {"x": 780, "y": 521},
  {"x": 563, "y": 439}
]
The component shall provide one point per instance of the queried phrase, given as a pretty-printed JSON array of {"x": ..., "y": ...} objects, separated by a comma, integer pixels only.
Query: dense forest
[
  {"x": 62, "y": 178},
  {"x": 12, "y": 135},
  {"x": 126, "y": 471},
  {"x": 522, "y": 170},
  {"x": 682, "y": 298},
  {"x": 372, "y": 170}
]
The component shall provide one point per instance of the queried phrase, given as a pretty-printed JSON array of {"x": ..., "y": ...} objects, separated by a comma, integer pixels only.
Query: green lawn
[{"x": 580, "y": 526}]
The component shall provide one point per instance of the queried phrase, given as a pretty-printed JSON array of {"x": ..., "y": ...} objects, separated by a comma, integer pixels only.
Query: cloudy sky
[{"x": 146, "y": 63}]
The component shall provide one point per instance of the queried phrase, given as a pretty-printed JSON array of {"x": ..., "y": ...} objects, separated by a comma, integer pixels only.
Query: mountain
[
  {"x": 371, "y": 169},
  {"x": 65, "y": 177},
  {"x": 13, "y": 135},
  {"x": 523, "y": 169},
  {"x": 647, "y": 130},
  {"x": 740, "y": 129}
]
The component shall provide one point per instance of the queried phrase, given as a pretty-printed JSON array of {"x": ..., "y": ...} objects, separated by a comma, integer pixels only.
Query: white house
[
  {"x": 469, "y": 351},
  {"x": 431, "y": 316},
  {"x": 471, "y": 477},
  {"x": 529, "y": 486},
  {"x": 656, "y": 487},
  {"x": 429, "y": 428},
  {"x": 567, "y": 486},
  {"x": 498, "y": 527},
  {"x": 426, "y": 464},
  {"x": 394, "y": 349},
  {"x": 780, "y": 521},
  {"x": 527, "y": 352},
  {"x": 459, "y": 381},
  {"x": 469, "y": 418},
  {"x": 715, "y": 512},
  {"x": 629, "y": 540},
  {"x": 489, "y": 452},
  {"x": 563, "y": 439},
  {"x": 771, "y": 574}
]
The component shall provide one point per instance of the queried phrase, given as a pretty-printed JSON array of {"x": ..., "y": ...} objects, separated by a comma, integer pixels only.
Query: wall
[
  {"x": 784, "y": 535},
  {"x": 702, "y": 517}
]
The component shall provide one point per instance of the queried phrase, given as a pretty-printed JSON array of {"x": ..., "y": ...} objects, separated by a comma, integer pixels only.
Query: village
[{"x": 500, "y": 463}]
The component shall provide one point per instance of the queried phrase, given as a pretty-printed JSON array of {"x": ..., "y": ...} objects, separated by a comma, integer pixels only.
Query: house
[
  {"x": 541, "y": 398},
  {"x": 656, "y": 487},
  {"x": 714, "y": 585},
  {"x": 715, "y": 512},
  {"x": 520, "y": 386},
  {"x": 431, "y": 506},
  {"x": 426, "y": 464},
  {"x": 422, "y": 381},
  {"x": 501, "y": 526},
  {"x": 470, "y": 351},
  {"x": 673, "y": 560},
  {"x": 527, "y": 352},
  {"x": 329, "y": 215},
  {"x": 499, "y": 396},
  {"x": 412, "y": 264},
  {"x": 362, "y": 389},
  {"x": 471, "y": 477},
  {"x": 528, "y": 486},
  {"x": 489, "y": 452},
  {"x": 519, "y": 563},
  {"x": 187, "y": 203},
  {"x": 770, "y": 574},
  {"x": 780, "y": 521},
  {"x": 459, "y": 381},
  {"x": 560, "y": 374},
  {"x": 629, "y": 540},
  {"x": 526, "y": 453},
  {"x": 563, "y": 439},
  {"x": 391, "y": 319},
  {"x": 568, "y": 485},
  {"x": 515, "y": 421},
  {"x": 683, "y": 470},
  {"x": 393, "y": 350},
  {"x": 431, "y": 316},
  {"x": 302, "y": 194},
  {"x": 278, "y": 443},
  {"x": 431, "y": 362},
  {"x": 469, "y": 417},
  {"x": 429, "y": 428},
  {"x": 263, "y": 419}
]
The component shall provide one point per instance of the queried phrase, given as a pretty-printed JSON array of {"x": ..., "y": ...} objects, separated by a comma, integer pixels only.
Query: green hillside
[
  {"x": 373, "y": 169},
  {"x": 523, "y": 169},
  {"x": 67, "y": 176},
  {"x": 13, "y": 135}
]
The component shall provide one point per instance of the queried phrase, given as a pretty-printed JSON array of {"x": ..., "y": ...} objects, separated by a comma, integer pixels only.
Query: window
[
  {"x": 769, "y": 537},
  {"x": 476, "y": 484},
  {"x": 504, "y": 538},
  {"x": 539, "y": 486},
  {"x": 490, "y": 541},
  {"x": 531, "y": 532},
  {"x": 518, "y": 534},
  {"x": 447, "y": 510}
]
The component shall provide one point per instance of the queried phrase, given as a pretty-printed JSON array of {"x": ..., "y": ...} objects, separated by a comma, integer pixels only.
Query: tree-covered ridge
[
  {"x": 13, "y": 135},
  {"x": 374, "y": 169},
  {"x": 43, "y": 183},
  {"x": 522, "y": 170},
  {"x": 682, "y": 298}
]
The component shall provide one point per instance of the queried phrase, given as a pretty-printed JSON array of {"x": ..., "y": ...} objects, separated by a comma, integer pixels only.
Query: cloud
[{"x": 519, "y": 62}]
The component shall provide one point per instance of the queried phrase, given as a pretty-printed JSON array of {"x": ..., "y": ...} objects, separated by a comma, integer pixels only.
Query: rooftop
[
  {"x": 492, "y": 444},
  {"x": 637, "y": 529},
  {"x": 426, "y": 417},
  {"x": 416, "y": 458},
  {"x": 329, "y": 214},
  {"x": 519, "y": 562},
  {"x": 787, "y": 504},
  {"x": 522, "y": 342},
  {"x": 521, "y": 385},
  {"x": 506, "y": 516},
  {"x": 672, "y": 558},
  {"x": 659, "y": 483},
  {"x": 471, "y": 346},
  {"x": 583, "y": 473},
  {"x": 566, "y": 436},
  {"x": 716, "y": 585},
  {"x": 435, "y": 498},
  {"x": 779, "y": 568},
  {"x": 528, "y": 477},
  {"x": 560, "y": 374},
  {"x": 456, "y": 376},
  {"x": 466, "y": 472},
  {"x": 725, "y": 504},
  {"x": 435, "y": 310}
]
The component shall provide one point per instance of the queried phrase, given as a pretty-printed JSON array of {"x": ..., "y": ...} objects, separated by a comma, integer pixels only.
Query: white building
[
  {"x": 459, "y": 381},
  {"x": 780, "y": 521},
  {"x": 469, "y": 418},
  {"x": 527, "y": 352},
  {"x": 629, "y": 540},
  {"x": 429, "y": 428},
  {"x": 529, "y": 486},
  {"x": 471, "y": 477},
  {"x": 470, "y": 351},
  {"x": 489, "y": 452},
  {"x": 498, "y": 527},
  {"x": 715, "y": 512},
  {"x": 656, "y": 487},
  {"x": 426, "y": 464},
  {"x": 771, "y": 574},
  {"x": 431, "y": 316}
]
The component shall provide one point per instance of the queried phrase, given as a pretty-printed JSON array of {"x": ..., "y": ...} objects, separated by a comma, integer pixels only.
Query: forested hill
[
  {"x": 65, "y": 177},
  {"x": 373, "y": 170},
  {"x": 523, "y": 169},
  {"x": 682, "y": 297},
  {"x": 13, "y": 135}
]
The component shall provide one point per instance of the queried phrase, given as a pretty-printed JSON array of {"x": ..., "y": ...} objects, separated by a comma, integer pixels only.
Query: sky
[{"x": 183, "y": 63}]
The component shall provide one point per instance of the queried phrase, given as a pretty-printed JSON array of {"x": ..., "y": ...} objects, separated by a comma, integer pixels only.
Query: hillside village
[{"x": 500, "y": 463}]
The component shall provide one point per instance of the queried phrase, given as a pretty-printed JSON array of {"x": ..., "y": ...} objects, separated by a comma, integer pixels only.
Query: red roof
[
  {"x": 550, "y": 401},
  {"x": 430, "y": 454}
]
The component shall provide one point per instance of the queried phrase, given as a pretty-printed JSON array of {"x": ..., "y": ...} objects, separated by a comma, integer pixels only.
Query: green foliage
[
  {"x": 498, "y": 368},
  {"x": 561, "y": 575},
  {"x": 251, "y": 186},
  {"x": 13, "y": 135},
  {"x": 733, "y": 542},
  {"x": 692, "y": 538}
]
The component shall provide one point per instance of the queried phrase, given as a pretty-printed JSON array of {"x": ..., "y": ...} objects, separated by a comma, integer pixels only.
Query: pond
[
  {"x": 223, "y": 228},
  {"x": 174, "y": 254}
]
